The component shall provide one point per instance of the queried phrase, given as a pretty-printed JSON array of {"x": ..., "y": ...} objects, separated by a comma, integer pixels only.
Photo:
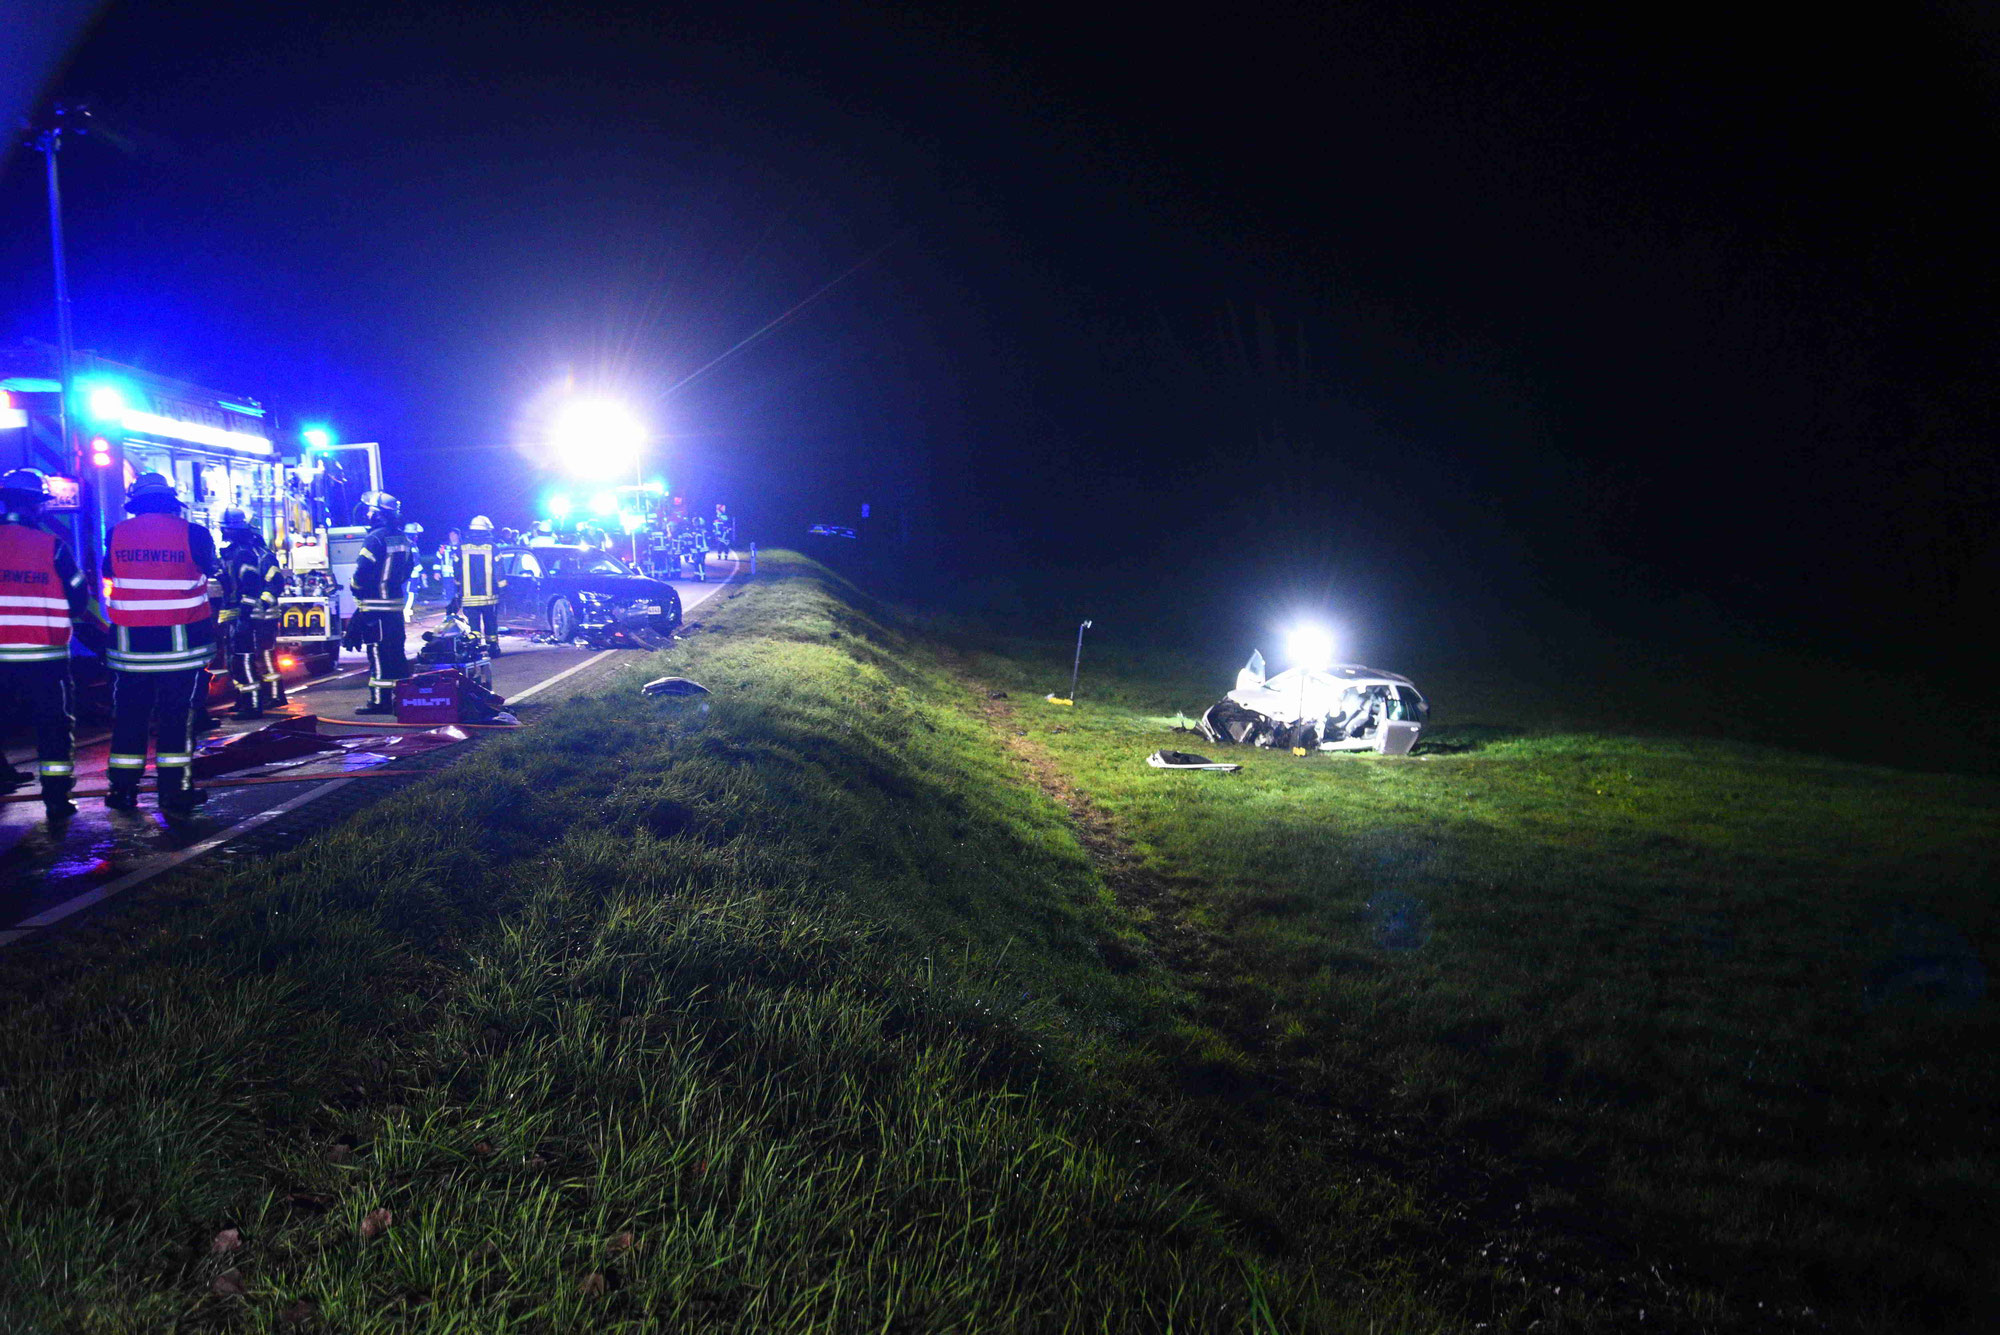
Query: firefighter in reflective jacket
[
  {"x": 481, "y": 581},
  {"x": 381, "y": 580},
  {"x": 158, "y": 566},
  {"x": 244, "y": 594},
  {"x": 264, "y": 621},
  {"x": 43, "y": 596}
]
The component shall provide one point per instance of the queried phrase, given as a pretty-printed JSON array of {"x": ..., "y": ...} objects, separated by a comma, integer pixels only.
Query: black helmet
[
  {"x": 147, "y": 492},
  {"x": 234, "y": 521},
  {"x": 380, "y": 505},
  {"x": 25, "y": 486}
]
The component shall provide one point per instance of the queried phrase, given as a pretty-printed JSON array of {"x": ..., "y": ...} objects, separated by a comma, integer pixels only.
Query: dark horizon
[{"x": 1433, "y": 316}]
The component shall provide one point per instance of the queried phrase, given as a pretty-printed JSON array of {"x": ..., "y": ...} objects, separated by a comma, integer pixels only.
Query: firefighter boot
[
  {"x": 178, "y": 796},
  {"x": 55, "y": 796},
  {"x": 124, "y": 795},
  {"x": 381, "y": 700},
  {"x": 11, "y": 778}
]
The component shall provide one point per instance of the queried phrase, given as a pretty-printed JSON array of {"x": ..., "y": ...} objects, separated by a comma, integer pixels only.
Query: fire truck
[{"x": 219, "y": 450}]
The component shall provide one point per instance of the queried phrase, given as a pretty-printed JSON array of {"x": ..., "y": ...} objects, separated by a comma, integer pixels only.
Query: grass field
[
  {"x": 848, "y": 998},
  {"x": 1701, "y": 1026},
  {"x": 667, "y": 1014}
]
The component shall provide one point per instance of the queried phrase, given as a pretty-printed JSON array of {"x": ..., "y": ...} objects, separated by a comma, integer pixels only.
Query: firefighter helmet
[
  {"x": 380, "y": 505},
  {"x": 480, "y": 524},
  {"x": 27, "y": 483},
  {"x": 151, "y": 487},
  {"x": 233, "y": 519}
]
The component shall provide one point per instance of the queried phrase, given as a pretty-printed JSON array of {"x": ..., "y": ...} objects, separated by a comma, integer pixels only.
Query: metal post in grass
[
  {"x": 753, "y": 558},
  {"x": 1077, "y": 665}
]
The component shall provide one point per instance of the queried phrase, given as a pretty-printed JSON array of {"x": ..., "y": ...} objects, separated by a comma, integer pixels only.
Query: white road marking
[
  {"x": 50, "y": 917},
  {"x": 543, "y": 685}
]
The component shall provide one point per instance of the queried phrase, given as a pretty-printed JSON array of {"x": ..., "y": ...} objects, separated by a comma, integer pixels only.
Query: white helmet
[{"x": 480, "y": 524}]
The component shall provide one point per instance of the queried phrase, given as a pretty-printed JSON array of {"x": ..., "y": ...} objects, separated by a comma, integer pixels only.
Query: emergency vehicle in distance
[{"x": 221, "y": 451}]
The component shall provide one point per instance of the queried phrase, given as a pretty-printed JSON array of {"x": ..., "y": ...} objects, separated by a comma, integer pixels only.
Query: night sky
[{"x": 1437, "y": 313}]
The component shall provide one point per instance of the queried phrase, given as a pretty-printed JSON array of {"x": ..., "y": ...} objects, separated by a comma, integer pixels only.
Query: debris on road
[
  {"x": 1188, "y": 760},
  {"x": 287, "y": 739}
]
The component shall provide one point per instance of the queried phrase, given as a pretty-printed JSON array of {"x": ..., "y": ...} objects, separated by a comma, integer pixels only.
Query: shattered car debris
[
  {"x": 1346, "y": 707},
  {"x": 1188, "y": 760}
]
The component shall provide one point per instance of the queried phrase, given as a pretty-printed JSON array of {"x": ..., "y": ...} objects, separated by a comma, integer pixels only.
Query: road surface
[{"x": 53, "y": 876}]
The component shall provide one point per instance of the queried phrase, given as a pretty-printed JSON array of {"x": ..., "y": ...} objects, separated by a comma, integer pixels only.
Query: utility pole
[{"x": 47, "y": 138}]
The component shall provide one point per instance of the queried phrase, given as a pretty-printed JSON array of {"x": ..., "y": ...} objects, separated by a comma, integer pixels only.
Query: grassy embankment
[
  {"x": 1686, "y": 1023},
  {"x": 805, "y": 1011},
  {"x": 780, "y": 1009}
]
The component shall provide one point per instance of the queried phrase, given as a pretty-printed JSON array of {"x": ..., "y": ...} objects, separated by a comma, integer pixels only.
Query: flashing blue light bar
[
  {"x": 604, "y": 503},
  {"x": 195, "y": 433},
  {"x": 559, "y": 506},
  {"x": 657, "y": 488},
  {"x": 106, "y": 403},
  {"x": 316, "y": 437}
]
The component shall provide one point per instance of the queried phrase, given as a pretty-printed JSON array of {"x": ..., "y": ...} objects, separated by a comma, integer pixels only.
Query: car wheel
[
  {"x": 670, "y": 614},
  {"x": 562, "y": 620}
]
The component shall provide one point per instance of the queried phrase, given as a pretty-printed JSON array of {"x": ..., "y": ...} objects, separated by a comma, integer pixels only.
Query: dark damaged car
[{"x": 579, "y": 593}]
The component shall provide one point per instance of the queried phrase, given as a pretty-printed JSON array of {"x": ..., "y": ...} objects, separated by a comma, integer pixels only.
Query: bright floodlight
[
  {"x": 107, "y": 404},
  {"x": 1310, "y": 647},
  {"x": 559, "y": 506},
  {"x": 595, "y": 438},
  {"x": 316, "y": 437},
  {"x": 604, "y": 504}
]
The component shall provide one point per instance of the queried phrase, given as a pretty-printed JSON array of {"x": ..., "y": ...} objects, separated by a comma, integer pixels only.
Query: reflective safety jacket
[
  {"x": 382, "y": 570},
  {"x": 480, "y": 584},
  {"x": 158, "y": 567},
  {"x": 42, "y": 594},
  {"x": 447, "y": 561},
  {"x": 244, "y": 593},
  {"x": 271, "y": 576}
]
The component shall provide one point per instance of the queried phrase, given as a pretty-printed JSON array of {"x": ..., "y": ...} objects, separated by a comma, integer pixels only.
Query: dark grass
[
  {"x": 1698, "y": 1009},
  {"x": 798, "y": 1007},
  {"x": 780, "y": 1009}
]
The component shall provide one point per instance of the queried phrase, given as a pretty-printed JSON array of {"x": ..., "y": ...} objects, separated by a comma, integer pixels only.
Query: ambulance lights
[{"x": 100, "y": 452}]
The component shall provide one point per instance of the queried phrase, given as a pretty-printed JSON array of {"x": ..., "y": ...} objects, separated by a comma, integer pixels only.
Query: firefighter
[
  {"x": 722, "y": 532},
  {"x": 694, "y": 544},
  {"x": 447, "y": 568},
  {"x": 162, "y": 631},
  {"x": 243, "y": 594},
  {"x": 265, "y": 618},
  {"x": 479, "y": 572},
  {"x": 381, "y": 580},
  {"x": 43, "y": 596}
]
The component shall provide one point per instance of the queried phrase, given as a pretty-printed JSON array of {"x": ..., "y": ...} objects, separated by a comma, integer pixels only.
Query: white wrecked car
[{"x": 1346, "y": 707}]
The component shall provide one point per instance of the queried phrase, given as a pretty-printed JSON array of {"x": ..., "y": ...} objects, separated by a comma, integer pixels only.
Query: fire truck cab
[{"x": 220, "y": 451}]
